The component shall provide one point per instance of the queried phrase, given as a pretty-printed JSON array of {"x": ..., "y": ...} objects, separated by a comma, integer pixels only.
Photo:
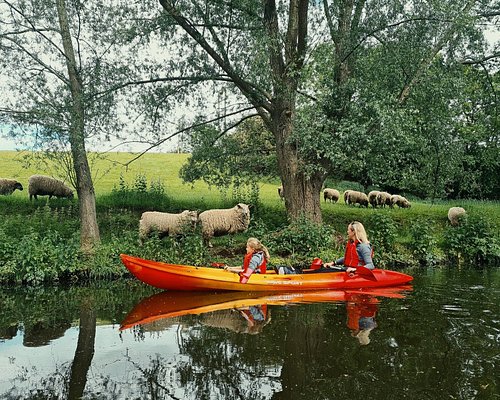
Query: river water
[{"x": 438, "y": 339}]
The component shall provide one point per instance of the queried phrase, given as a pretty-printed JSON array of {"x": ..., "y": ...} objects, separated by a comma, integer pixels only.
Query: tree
[
  {"x": 311, "y": 87},
  {"x": 60, "y": 65}
]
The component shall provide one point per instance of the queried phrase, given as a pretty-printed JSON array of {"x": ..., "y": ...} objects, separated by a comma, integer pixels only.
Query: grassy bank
[{"x": 39, "y": 240}]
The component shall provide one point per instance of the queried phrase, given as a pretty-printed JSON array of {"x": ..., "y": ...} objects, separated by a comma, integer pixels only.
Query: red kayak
[
  {"x": 174, "y": 304},
  {"x": 185, "y": 277}
]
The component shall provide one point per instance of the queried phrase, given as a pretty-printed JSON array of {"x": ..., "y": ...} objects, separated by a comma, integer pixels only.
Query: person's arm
[
  {"x": 339, "y": 261},
  {"x": 365, "y": 253}
]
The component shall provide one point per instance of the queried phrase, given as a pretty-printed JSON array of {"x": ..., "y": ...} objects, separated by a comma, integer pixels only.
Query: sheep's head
[
  {"x": 244, "y": 211},
  {"x": 191, "y": 217},
  {"x": 18, "y": 186}
]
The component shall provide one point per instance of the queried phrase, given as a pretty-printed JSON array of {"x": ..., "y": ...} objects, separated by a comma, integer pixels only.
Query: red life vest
[
  {"x": 246, "y": 263},
  {"x": 351, "y": 258}
]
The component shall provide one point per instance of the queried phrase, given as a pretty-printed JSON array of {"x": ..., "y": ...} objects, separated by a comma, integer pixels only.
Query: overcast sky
[{"x": 493, "y": 35}]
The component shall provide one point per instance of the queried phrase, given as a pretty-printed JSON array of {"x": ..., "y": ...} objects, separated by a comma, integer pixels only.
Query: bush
[
  {"x": 473, "y": 241},
  {"x": 423, "y": 242},
  {"x": 301, "y": 237}
]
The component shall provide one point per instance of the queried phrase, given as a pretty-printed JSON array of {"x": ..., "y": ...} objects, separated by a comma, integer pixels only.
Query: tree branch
[{"x": 161, "y": 141}]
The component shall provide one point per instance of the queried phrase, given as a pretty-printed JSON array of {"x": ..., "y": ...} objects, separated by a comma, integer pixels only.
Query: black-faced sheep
[
  {"x": 384, "y": 199},
  {"x": 346, "y": 196},
  {"x": 331, "y": 194},
  {"x": 7, "y": 186},
  {"x": 355, "y": 197},
  {"x": 166, "y": 223},
  {"x": 219, "y": 222},
  {"x": 455, "y": 214},
  {"x": 41, "y": 185},
  {"x": 400, "y": 201},
  {"x": 372, "y": 198},
  {"x": 281, "y": 193}
]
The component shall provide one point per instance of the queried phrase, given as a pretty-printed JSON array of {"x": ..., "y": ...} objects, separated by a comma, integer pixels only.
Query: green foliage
[
  {"x": 138, "y": 195},
  {"x": 382, "y": 233},
  {"x": 423, "y": 242},
  {"x": 302, "y": 238},
  {"x": 472, "y": 242},
  {"x": 35, "y": 258}
]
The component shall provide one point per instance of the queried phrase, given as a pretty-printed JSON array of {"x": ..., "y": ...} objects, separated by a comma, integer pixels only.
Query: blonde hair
[
  {"x": 256, "y": 245},
  {"x": 359, "y": 231}
]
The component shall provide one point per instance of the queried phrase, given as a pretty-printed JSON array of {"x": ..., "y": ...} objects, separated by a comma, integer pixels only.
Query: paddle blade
[{"x": 366, "y": 273}]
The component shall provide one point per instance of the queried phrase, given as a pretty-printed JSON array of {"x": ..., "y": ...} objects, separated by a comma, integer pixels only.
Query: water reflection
[
  {"x": 123, "y": 341},
  {"x": 247, "y": 312}
]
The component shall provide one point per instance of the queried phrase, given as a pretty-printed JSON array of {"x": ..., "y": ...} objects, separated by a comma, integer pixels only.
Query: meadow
[{"x": 415, "y": 237}]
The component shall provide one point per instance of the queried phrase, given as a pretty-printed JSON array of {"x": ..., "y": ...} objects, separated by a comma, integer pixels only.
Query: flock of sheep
[
  {"x": 38, "y": 185},
  {"x": 375, "y": 198},
  {"x": 214, "y": 222}
]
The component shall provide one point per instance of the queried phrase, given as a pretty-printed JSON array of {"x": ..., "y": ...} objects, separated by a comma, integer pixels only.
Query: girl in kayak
[
  {"x": 255, "y": 260},
  {"x": 358, "y": 250}
]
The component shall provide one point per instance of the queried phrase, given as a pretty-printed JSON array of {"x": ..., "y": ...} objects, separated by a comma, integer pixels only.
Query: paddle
[{"x": 363, "y": 271}]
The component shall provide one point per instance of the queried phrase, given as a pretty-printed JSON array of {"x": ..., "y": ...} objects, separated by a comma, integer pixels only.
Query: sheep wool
[
  {"x": 455, "y": 214},
  {"x": 42, "y": 185},
  {"x": 355, "y": 197},
  {"x": 7, "y": 186},
  {"x": 384, "y": 199},
  {"x": 372, "y": 198},
  {"x": 331, "y": 194},
  {"x": 217, "y": 222},
  {"x": 400, "y": 201},
  {"x": 166, "y": 223}
]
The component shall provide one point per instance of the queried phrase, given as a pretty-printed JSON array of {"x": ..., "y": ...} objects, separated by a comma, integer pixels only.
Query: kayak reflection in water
[
  {"x": 361, "y": 311},
  {"x": 249, "y": 320}
]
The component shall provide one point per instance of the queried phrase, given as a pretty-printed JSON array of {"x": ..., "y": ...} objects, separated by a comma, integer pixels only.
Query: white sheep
[
  {"x": 219, "y": 222},
  {"x": 400, "y": 201},
  {"x": 7, "y": 186},
  {"x": 455, "y": 214},
  {"x": 41, "y": 185},
  {"x": 384, "y": 199},
  {"x": 166, "y": 223},
  {"x": 372, "y": 198},
  {"x": 355, "y": 197},
  {"x": 281, "y": 192},
  {"x": 331, "y": 194}
]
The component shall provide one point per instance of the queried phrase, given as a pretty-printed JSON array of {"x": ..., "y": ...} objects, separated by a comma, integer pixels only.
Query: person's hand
[
  {"x": 350, "y": 270},
  {"x": 329, "y": 264}
]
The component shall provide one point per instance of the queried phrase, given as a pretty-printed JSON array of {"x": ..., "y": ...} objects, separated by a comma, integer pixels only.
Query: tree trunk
[
  {"x": 89, "y": 230},
  {"x": 84, "y": 350},
  {"x": 301, "y": 192}
]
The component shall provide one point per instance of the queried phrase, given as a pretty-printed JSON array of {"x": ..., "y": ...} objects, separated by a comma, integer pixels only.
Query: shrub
[
  {"x": 422, "y": 242},
  {"x": 473, "y": 241},
  {"x": 300, "y": 237}
]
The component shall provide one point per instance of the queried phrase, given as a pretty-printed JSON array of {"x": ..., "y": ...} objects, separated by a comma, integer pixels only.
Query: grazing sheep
[
  {"x": 384, "y": 199},
  {"x": 355, "y": 197},
  {"x": 372, "y": 198},
  {"x": 219, "y": 222},
  {"x": 346, "y": 196},
  {"x": 7, "y": 186},
  {"x": 166, "y": 223},
  {"x": 331, "y": 194},
  {"x": 455, "y": 214},
  {"x": 281, "y": 192},
  {"x": 41, "y": 185},
  {"x": 400, "y": 201}
]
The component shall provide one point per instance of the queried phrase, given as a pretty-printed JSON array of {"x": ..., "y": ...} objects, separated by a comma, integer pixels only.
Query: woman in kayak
[
  {"x": 358, "y": 250},
  {"x": 255, "y": 260}
]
